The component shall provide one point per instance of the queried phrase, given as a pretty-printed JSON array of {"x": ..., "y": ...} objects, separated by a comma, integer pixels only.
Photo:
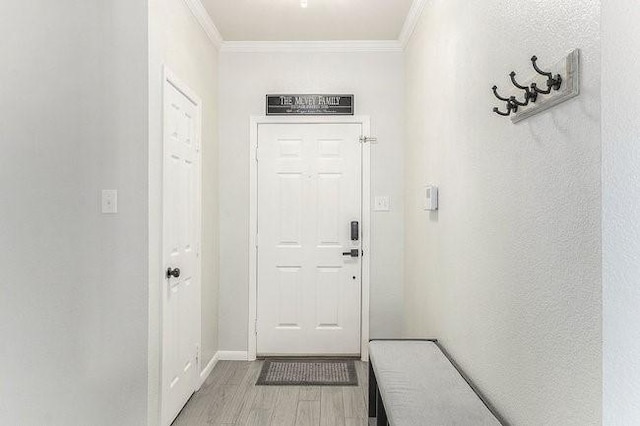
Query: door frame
[
  {"x": 255, "y": 122},
  {"x": 170, "y": 79}
]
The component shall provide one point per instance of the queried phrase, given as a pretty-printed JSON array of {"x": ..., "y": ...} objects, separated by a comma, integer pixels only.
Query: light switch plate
[
  {"x": 109, "y": 201},
  {"x": 382, "y": 204},
  {"x": 430, "y": 198}
]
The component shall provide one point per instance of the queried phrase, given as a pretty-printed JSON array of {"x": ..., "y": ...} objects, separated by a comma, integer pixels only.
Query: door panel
[
  {"x": 180, "y": 293},
  {"x": 309, "y": 191}
]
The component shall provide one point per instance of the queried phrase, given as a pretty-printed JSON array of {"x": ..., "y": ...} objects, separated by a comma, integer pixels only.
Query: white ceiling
[{"x": 285, "y": 20}]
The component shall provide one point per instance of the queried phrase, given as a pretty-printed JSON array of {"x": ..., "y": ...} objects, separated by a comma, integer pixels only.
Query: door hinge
[
  {"x": 257, "y": 151},
  {"x": 257, "y": 240},
  {"x": 255, "y": 326},
  {"x": 367, "y": 139}
]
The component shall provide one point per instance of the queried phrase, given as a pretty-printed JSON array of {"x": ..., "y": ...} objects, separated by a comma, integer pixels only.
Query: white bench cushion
[{"x": 420, "y": 387}]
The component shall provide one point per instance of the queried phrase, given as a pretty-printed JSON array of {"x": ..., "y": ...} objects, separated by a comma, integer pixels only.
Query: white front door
[
  {"x": 309, "y": 194},
  {"x": 181, "y": 244}
]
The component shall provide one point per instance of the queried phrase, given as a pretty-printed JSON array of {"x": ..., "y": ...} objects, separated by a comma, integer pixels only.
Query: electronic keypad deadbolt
[{"x": 355, "y": 231}]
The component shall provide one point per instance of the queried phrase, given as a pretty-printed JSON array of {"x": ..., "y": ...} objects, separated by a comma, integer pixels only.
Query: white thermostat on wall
[{"x": 431, "y": 198}]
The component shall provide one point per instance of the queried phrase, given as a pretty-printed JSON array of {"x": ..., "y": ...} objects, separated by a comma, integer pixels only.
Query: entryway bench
[{"x": 415, "y": 383}]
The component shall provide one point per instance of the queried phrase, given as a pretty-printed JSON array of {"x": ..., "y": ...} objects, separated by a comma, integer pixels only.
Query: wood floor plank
[
  {"x": 239, "y": 373},
  {"x": 192, "y": 413},
  {"x": 354, "y": 402},
  {"x": 259, "y": 417},
  {"x": 219, "y": 399},
  {"x": 195, "y": 412},
  {"x": 251, "y": 392},
  {"x": 226, "y": 370},
  {"x": 308, "y": 413},
  {"x": 232, "y": 410},
  {"x": 247, "y": 406},
  {"x": 219, "y": 375},
  {"x": 229, "y": 397},
  {"x": 332, "y": 407},
  {"x": 257, "y": 398},
  {"x": 285, "y": 408},
  {"x": 265, "y": 397},
  {"x": 310, "y": 393}
]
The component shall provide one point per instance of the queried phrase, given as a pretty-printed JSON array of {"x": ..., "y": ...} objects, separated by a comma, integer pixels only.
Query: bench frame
[{"x": 376, "y": 404}]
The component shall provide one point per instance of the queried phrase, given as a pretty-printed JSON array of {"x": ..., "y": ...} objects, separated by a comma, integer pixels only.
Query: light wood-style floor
[{"x": 230, "y": 397}]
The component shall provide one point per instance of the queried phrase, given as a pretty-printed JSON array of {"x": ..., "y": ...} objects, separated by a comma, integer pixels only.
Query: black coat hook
[
  {"x": 552, "y": 82},
  {"x": 505, "y": 114},
  {"x": 529, "y": 94},
  {"x": 534, "y": 86},
  {"x": 534, "y": 60},
  {"x": 512, "y": 103},
  {"x": 515, "y": 101}
]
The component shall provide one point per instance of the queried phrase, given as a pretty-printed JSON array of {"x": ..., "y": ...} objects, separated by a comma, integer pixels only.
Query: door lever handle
[{"x": 352, "y": 253}]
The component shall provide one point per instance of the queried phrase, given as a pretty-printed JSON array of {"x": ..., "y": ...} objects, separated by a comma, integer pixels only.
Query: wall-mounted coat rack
[{"x": 562, "y": 83}]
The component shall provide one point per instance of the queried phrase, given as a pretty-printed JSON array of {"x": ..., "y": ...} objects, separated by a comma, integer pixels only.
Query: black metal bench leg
[
  {"x": 373, "y": 392},
  {"x": 381, "y": 414}
]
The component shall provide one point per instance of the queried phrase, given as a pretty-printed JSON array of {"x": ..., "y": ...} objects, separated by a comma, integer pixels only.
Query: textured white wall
[
  {"x": 621, "y": 211},
  {"x": 73, "y": 301},
  {"x": 178, "y": 41},
  {"x": 245, "y": 79},
  {"x": 508, "y": 273}
]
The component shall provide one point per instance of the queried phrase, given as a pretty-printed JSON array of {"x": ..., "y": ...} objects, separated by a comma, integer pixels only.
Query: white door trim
[
  {"x": 169, "y": 78},
  {"x": 255, "y": 121}
]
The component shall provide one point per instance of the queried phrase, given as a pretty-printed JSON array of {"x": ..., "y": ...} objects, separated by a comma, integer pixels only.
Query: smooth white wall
[
  {"x": 508, "y": 273},
  {"x": 178, "y": 41},
  {"x": 73, "y": 301},
  {"x": 376, "y": 80},
  {"x": 621, "y": 211}
]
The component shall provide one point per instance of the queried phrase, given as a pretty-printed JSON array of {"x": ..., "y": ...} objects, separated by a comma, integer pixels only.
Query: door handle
[
  {"x": 352, "y": 253},
  {"x": 175, "y": 273}
]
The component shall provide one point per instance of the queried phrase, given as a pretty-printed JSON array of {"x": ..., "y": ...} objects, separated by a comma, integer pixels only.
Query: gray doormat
[{"x": 308, "y": 372}]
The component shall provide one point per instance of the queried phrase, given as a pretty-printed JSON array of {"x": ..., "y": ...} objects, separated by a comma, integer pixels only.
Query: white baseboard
[
  {"x": 233, "y": 355},
  {"x": 208, "y": 369}
]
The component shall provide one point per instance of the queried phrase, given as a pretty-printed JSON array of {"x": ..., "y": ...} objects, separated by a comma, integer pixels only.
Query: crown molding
[
  {"x": 339, "y": 46},
  {"x": 344, "y": 46},
  {"x": 410, "y": 23},
  {"x": 204, "y": 19}
]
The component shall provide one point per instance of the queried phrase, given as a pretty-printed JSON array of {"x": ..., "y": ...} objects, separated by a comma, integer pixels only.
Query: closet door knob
[{"x": 175, "y": 273}]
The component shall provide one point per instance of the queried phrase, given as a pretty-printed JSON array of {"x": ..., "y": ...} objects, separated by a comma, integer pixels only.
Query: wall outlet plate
[
  {"x": 109, "y": 201},
  {"x": 569, "y": 68}
]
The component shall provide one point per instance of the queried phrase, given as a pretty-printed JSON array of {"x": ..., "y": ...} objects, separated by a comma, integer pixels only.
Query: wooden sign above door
[{"x": 310, "y": 105}]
